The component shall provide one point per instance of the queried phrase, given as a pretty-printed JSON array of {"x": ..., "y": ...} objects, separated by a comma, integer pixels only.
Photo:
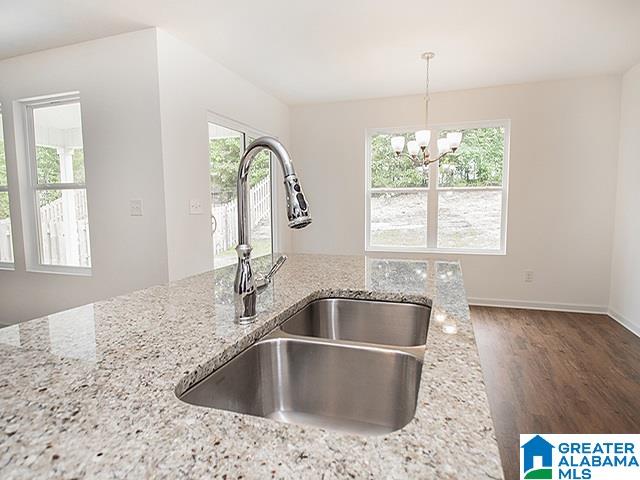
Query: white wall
[
  {"x": 190, "y": 85},
  {"x": 564, "y": 138},
  {"x": 625, "y": 267},
  {"x": 118, "y": 83}
]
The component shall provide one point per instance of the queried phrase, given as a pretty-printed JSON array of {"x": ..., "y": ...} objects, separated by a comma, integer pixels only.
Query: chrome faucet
[{"x": 246, "y": 286}]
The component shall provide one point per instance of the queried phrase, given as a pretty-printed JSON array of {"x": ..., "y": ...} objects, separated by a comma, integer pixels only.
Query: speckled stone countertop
[{"x": 90, "y": 392}]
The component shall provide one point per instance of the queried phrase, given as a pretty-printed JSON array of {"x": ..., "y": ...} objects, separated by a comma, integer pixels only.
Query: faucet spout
[{"x": 245, "y": 289}]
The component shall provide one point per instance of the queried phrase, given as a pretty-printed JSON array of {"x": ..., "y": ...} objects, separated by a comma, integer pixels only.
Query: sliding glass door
[{"x": 225, "y": 149}]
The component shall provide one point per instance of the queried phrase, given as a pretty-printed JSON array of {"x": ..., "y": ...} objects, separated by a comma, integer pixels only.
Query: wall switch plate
[
  {"x": 135, "y": 207},
  {"x": 528, "y": 276},
  {"x": 195, "y": 207}
]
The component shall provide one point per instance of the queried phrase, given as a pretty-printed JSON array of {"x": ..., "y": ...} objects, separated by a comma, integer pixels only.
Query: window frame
[
  {"x": 5, "y": 189},
  {"x": 433, "y": 189},
  {"x": 247, "y": 132},
  {"x": 34, "y": 246}
]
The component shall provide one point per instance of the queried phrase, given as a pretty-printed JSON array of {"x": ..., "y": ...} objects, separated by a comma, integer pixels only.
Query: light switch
[
  {"x": 135, "y": 207},
  {"x": 195, "y": 207}
]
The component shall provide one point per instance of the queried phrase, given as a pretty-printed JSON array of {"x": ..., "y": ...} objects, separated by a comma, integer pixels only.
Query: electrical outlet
[
  {"x": 135, "y": 207},
  {"x": 195, "y": 207},
  {"x": 528, "y": 276}
]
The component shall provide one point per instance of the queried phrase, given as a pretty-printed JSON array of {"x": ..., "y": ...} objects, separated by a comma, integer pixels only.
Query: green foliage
[
  {"x": 3, "y": 164},
  {"x": 48, "y": 162},
  {"x": 224, "y": 156},
  {"x": 48, "y": 165},
  {"x": 78, "y": 165},
  {"x": 391, "y": 171},
  {"x": 478, "y": 162}
]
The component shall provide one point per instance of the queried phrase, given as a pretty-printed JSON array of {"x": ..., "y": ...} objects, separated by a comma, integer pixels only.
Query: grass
[{"x": 260, "y": 246}]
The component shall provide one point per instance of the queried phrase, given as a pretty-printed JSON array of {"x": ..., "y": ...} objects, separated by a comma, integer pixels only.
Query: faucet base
[{"x": 246, "y": 320}]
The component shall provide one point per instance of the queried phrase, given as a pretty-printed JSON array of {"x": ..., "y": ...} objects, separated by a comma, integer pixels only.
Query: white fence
[
  {"x": 6, "y": 248},
  {"x": 225, "y": 216},
  {"x": 54, "y": 244}
]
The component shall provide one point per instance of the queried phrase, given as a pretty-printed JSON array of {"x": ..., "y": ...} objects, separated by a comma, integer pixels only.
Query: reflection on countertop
[{"x": 68, "y": 334}]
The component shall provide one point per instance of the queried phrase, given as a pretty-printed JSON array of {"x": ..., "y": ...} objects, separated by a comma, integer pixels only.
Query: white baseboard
[
  {"x": 625, "y": 322},
  {"x": 529, "y": 305},
  {"x": 557, "y": 307}
]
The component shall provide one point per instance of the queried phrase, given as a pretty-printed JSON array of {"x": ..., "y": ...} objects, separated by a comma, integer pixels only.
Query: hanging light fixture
[{"x": 418, "y": 149}]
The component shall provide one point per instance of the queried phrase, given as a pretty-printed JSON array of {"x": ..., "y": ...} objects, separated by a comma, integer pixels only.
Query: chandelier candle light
[{"x": 418, "y": 149}]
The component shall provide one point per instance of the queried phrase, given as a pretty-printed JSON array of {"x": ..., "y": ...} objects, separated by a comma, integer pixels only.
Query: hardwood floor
[{"x": 553, "y": 372}]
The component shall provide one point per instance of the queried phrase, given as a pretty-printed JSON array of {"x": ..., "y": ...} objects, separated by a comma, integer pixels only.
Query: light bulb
[
  {"x": 397, "y": 143},
  {"x": 423, "y": 137},
  {"x": 413, "y": 148},
  {"x": 454, "y": 139},
  {"x": 443, "y": 146}
]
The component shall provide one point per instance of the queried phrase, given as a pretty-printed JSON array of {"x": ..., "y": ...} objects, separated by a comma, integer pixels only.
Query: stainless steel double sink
[{"x": 342, "y": 364}]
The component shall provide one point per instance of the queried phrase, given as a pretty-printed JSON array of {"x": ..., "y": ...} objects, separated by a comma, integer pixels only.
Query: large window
[
  {"x": 225, "y": 149},
  {"x": 6, "y": 244},
  {"x": 56, "y": 157},
  {"x": 458, "y": 205}
]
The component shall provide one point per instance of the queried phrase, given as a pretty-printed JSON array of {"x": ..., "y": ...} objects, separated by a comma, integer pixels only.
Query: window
[
  {"x": 56, "y": 158},
  {"x": 456, "y": 205},
  {"x": 225, "y": 149},
  {"x": 6, "y": 244}
]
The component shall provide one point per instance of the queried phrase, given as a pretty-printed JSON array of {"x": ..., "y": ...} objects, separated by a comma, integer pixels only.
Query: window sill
[
  {"x": 10, "y": 267},
  {"x": 60, "y": 270},
  {"x": 434, "y": 251}
]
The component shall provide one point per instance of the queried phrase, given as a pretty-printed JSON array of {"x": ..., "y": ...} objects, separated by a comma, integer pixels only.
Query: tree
[
  {"x": 391, "y": 171},
  {"x": 48, "y": 166},
  {"x": 224, "y": 156},
  {"x": 477, "y": 162}
]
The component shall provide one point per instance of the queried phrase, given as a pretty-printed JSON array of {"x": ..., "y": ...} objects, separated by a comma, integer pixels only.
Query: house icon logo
[{"x": 537, "y": 459}]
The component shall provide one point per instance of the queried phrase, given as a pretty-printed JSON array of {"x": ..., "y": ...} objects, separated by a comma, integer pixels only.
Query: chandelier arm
[
  {"x": 406, "y": 155},
  {"x": 437, "y": 159}
]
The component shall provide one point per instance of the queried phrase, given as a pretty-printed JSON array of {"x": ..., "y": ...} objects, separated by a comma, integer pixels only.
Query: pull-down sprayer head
[{"x": 297, "y": 207}]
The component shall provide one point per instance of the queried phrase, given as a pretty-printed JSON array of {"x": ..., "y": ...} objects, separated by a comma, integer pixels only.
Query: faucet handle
[
  {"x": 266, "y": 280},
  {"x": 276, "y": 267}
]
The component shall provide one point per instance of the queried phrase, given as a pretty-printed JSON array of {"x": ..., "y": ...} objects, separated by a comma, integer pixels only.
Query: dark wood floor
[{"x": 552, "y": 372}]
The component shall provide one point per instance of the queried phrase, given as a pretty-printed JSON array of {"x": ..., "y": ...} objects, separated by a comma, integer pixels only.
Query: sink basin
[
  {"x": 358, "y": 389},
  {"x": 370, "y": 321},
  {"x": 341, "y": 364}
]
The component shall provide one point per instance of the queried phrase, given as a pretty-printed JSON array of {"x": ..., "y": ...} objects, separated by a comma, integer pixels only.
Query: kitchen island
[{"x": 91, "y": 392}]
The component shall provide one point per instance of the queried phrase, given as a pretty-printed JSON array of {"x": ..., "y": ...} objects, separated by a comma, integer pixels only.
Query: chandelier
[{"x": 418, "y": 149}]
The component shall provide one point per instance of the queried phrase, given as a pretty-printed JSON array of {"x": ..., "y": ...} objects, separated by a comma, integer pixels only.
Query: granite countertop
[{"x": 90, "y": 392}]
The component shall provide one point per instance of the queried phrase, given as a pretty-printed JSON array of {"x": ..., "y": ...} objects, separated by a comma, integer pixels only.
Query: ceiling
[{"x": 315, "y": 51}]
